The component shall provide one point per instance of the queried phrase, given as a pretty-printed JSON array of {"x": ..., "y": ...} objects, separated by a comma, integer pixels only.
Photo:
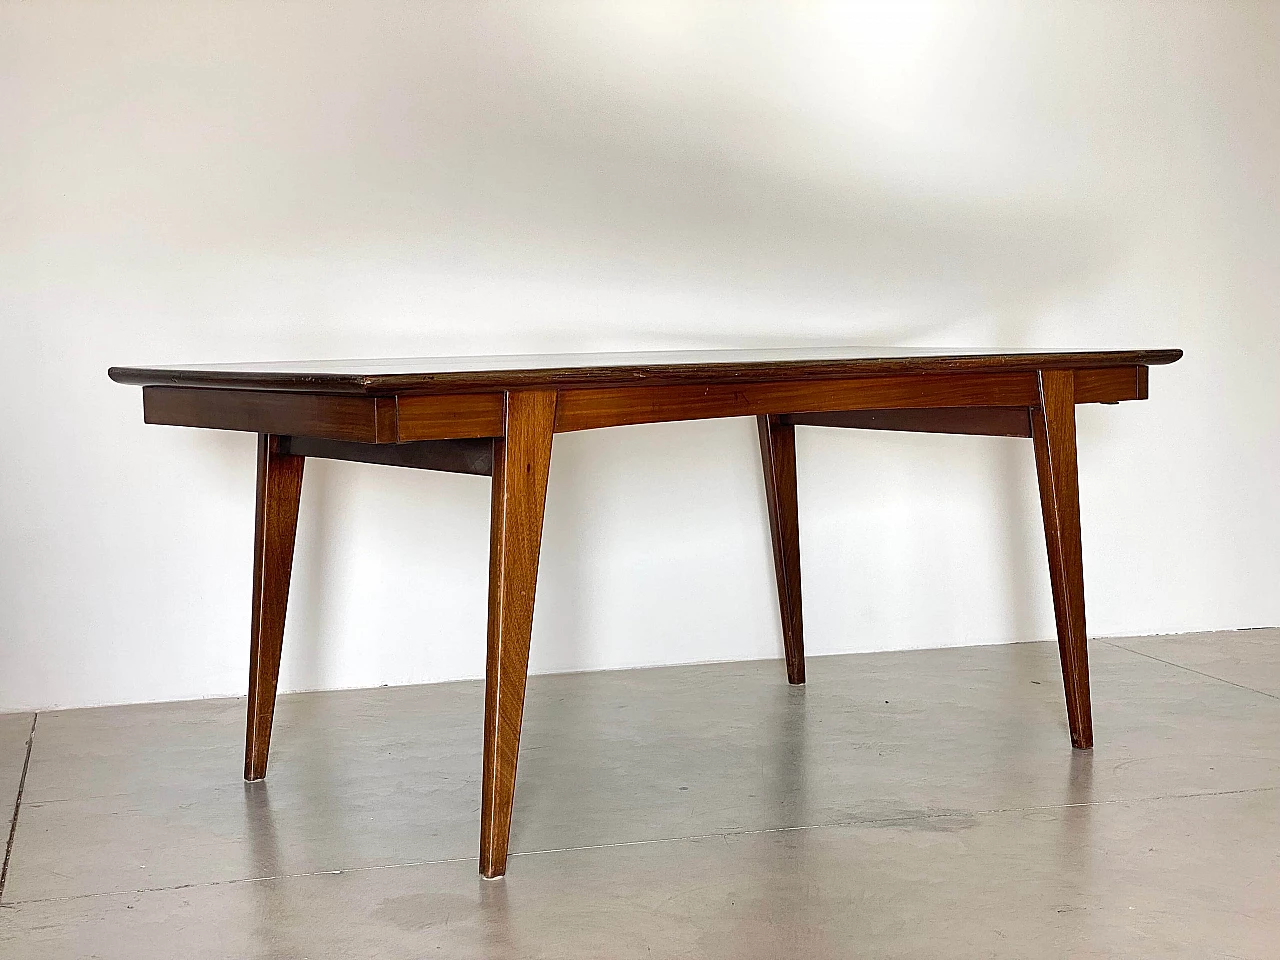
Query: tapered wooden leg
[
  {"x": 1054, "y": 434},
  {"x": 279, "y": 490},
  {"x": 778, "y": 453},
  {"x": 520, "y": 463}
]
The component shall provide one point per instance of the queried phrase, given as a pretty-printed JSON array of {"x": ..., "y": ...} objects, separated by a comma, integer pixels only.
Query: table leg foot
[
  {"x": 1054, "y": 435},
  {"x": 521, "y": 460},
  {"x": 778, "y": 454},
  {"x": 279, "y": 491}
]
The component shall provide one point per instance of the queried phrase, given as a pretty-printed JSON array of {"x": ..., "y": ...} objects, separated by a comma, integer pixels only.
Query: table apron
[
  {"x": 448, "y": 416},
  {"x": 586, "y": 409}
]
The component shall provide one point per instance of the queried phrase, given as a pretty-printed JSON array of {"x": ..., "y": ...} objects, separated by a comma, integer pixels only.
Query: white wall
[{"x": 206, "y": 181}]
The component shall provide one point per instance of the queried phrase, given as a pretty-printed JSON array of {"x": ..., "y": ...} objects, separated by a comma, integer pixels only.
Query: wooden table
[{"x": 496, "y": 416}]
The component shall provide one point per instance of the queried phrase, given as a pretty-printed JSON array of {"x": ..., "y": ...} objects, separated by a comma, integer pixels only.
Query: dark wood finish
[
  {"x": 332, "y": 417},
  {"x": 470, "y": 415},
  {"x": 1054, "y": 427},
  {"x": 974, "y": 421},
  {"x": 778, "y": 455},
  {"x": 1111, "y": 385},
  {"x": 617, "y": 406},
  {"x": 521, "y": 460},
  {"x": 361, "y": 419},
  {"x": 501, "y": 373},
  {"x": 446, "y": 416},
  {"x": 450, "y": 456},
  {"x": 497, "y": 415},
  {"x": 276, "y": 525}
]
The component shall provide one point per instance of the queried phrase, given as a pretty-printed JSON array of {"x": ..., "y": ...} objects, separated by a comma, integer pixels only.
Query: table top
[{"x": 515, "y": 371}]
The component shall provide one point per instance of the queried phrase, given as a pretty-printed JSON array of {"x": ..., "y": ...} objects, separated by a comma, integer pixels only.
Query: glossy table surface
[{"x": 432, "y": 374}]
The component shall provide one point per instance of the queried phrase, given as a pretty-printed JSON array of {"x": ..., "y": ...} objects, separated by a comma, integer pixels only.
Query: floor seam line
[
  {"x": 335, "y": 872},
  {"x": 1199, "y": 673},
  {"x": 17, "y": 806},
  {"x": 722, "y": 835}
]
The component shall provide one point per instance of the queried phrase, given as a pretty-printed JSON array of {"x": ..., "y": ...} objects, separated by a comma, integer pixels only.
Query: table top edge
[{"x": 224, "y": 376}]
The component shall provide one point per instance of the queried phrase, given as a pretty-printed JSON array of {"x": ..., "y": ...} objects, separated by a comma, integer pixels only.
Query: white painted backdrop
[{"x": 206, "y": 181}]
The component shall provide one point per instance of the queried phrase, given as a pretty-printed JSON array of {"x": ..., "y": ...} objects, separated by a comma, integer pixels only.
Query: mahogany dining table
[{"x": 496, "y": 416}]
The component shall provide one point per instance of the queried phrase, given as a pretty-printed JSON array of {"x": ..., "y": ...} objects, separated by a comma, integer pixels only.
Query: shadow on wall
[
  {"x": 506, "y": 145},
  {"x": 685, "y": 148},
  {"x": 785, "y": 178}
]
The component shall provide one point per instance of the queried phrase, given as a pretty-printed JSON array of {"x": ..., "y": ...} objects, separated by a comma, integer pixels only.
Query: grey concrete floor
[{"x": 920, "y": 804}]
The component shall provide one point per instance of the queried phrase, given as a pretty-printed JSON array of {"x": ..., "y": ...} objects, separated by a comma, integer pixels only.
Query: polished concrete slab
[
  {"x": 695, "y": 807},
  {"x": 363, "y": 778},
  {"x": 1180, "y": 878}
]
